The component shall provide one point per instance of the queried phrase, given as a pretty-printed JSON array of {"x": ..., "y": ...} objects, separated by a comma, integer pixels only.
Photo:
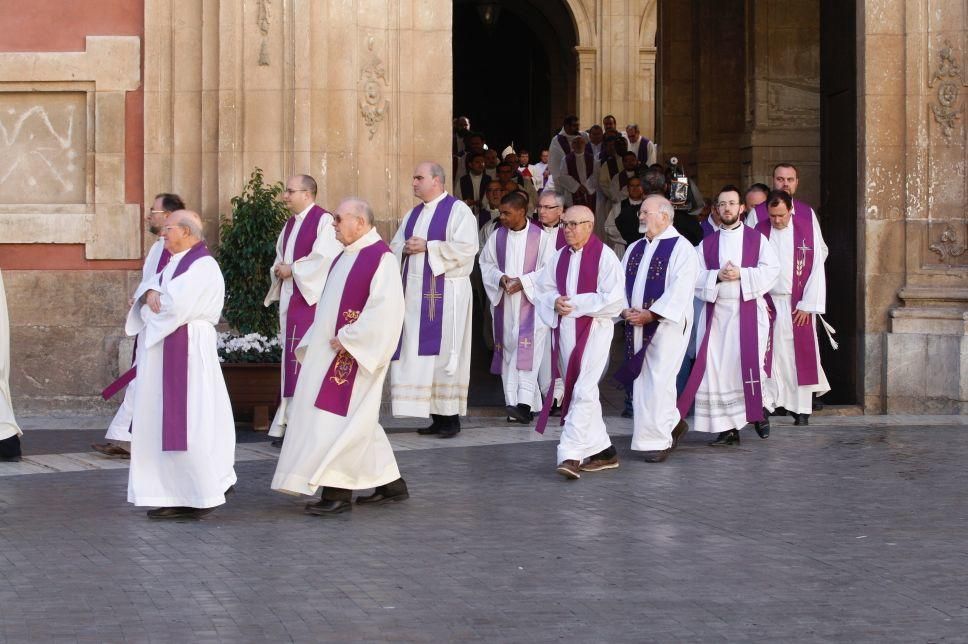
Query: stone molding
[{"x": 107, "y": 68}]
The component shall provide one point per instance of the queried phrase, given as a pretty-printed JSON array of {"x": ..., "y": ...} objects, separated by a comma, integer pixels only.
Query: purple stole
[
  {"x": 763, "y": 213},
  {"x": 587, "y": 283},
  {"x": 467, "y": 187},
  {"x": 613, "y": 168},
  {"x": 174, "y": 371},
  {"x": 748, "y": 339},
  {"x": 804, "y": 344},
  {"x": 432, "y": 292},
  {"x": 560, "y": 238},
  {"x": 654, "y": 289},
  {"x": 707, "y": 228},
  {"x": 623, "y": 180},
  {"x": 125, "y": 379},
  {"x": 643, "y": 152},
  {"x": 334, "y": 394},
  {"x": 571, "y": 163},
  {"x": 299, "y": 316},
  {"x": 564, "y": 143},
  {"x": 525, "y": 354}
]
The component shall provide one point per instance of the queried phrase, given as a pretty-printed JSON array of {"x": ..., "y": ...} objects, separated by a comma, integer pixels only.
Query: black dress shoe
[
  {"x": 762, "y": 428},
  {"x": 519, "y": 414},
  {"x": 677, "y": 432},
  {"x": 10, "y": 459},
  {"x": 626, "y": 413},
  {"x": 277, "y": 442},
  {"x": 435, "y": 426},
  {"x": 450, "y": 428},
  {"x": 727, "y": 438},
  {"x": 10, "y": 451},
  {"x": 389, "y": 493},
  {"x": 658, "y": 456},
  {"x": 327, "y": 508},
  {"x": 817, "y": 404},
  {"x": 801, "y": 419},
  {"x": 555, "y": 410},
  {"x": 177, "y": 513}
]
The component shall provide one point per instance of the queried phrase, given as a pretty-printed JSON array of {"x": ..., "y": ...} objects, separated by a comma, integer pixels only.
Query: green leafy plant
[{"x": 246, "y": 253}]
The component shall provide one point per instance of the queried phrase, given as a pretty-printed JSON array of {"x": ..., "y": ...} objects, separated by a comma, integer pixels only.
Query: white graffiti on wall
[{"x": 41, "y": 150}]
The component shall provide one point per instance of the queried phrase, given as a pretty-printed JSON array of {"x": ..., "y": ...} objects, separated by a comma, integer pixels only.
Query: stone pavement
[{"x": 850, "y": 530}]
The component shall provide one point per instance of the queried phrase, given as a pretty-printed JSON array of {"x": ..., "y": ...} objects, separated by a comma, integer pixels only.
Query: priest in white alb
[
  {"x": 738, "y": 267},
  {"x": 335, "y": 441},
  {"x": 660, "y": 281},
  {"x": 183, "y": 443},
  {"x": 119, "y": 431},
  {"x": 10, "y": 432},
  {"x": 578, "y": 294},
  {"x": 799, "y": 298},
  {"x": 304, "y": 251},
  {"x": 511, "y": 261},
  {"x": 435, "y": 245}
]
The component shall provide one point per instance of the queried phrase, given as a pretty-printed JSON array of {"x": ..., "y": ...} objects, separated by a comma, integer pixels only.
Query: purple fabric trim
[
  {"x": 707, "y": 228},
  {"x": 749, "y": 340},
  {"x": 174, "y": 371},
  {"x": 525, "y": 350},
  {"x": 613, "y": 168},
  {"x": 763, "y": 213},
  {"x": 654, "y": 289},
  {"x": 337, "y": 388},
  {"x": 587, "y": 283},
  {"x": 467, "y": 187},
  {"x": 571, "y": 163},
  {"x": 643, "y": 153},
  {"x": 432, "y": 291},
  {"x": 804, "y": 340}
]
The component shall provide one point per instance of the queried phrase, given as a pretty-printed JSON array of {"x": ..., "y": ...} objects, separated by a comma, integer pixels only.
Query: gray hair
[
  {"x": 190, "y": 221},
  {"x": 360, "y": 207},
  {"x": 557, "y": 194},
  {"x": 437, "y": 170},
  {"x": 665, "y": 206}
]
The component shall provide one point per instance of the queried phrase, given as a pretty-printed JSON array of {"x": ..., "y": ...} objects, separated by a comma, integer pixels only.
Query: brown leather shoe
[
  {"x": 112, "y": 450},
  {"x": 658, "y": 456},
  {"x": 599, "y": 464},
  {"x": 570, "y": 469},
  {"x": 677, "y": 432}
]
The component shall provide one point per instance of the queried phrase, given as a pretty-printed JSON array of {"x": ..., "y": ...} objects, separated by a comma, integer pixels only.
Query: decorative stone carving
[
  {"x": 947, "y": 77},
  {"x": 373, "y": 78},
  {"x": 948, "y": 247},
  {"x": 265, "y": 21}
]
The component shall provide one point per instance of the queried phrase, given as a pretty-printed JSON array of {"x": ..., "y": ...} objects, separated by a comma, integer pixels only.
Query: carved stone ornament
[
  {"x": 947, "y": 77},
  {"x": 948, "y": 247},
  {"x": 265, "y": 20},
  {"x": 373, "y": 78}
]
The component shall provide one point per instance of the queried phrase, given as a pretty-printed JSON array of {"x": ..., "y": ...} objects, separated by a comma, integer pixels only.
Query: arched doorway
[{"x": 515, "y": 69}]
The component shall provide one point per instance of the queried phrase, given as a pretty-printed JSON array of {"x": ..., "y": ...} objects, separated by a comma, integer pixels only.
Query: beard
[{"x": 155, "y": 230}]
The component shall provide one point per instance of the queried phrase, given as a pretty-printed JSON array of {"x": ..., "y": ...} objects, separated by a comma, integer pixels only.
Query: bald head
[{"x": 182, "y": 230}]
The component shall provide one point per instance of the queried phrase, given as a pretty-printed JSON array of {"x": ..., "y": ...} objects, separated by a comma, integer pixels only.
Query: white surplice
[
  {"x": 309, "y": 274},
  {"x": 720, "y": 403},
  {"x": 198, "y": 476},
  {"x": 544, "y": 372},
  {"x": 650, "y": 154},
  {"x": 325, "y": 449},
  {"x": 584, "y": 433},
  {"x": 520, "y": 387},
  {"x": 654, "y": 391},
  {"x": 569, "y": 185},
  {"x": 782, "y": 390},
  {"x": 120, "y": 425},
  {"x": 556, "y": 157},
  {"x": 424, "y": 385},
  {"x": 8, "y": 423}
]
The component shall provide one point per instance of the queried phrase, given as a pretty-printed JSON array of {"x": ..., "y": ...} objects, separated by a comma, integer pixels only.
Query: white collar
[{"x": 305, "y": 212}]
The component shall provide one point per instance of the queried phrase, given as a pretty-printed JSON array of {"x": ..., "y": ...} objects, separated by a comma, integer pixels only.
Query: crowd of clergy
[{"x": 719, "y": 315}]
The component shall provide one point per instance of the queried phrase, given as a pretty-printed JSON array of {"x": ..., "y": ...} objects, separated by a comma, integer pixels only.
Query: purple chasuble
[
  {"x": 560, "y": 239},
  {"x": 125, "y": 379},
  {"x": 804, "y": 341},
  {"x": 300, "y": 314},
  {"x": 174, "y": 371},
  {"x": 748, "y": 334},
  {"x": 432, "y": 292},
  {"x": 654, "y": 289},
  {"x": 337, "y": 388},
  {"x": 587, "y": 283},
  {"x": 525, "y": 354},
  {"x": 707, "y": 228}
]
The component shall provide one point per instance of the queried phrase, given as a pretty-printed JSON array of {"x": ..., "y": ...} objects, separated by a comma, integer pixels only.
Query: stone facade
[{"x": 190, "y": 95}]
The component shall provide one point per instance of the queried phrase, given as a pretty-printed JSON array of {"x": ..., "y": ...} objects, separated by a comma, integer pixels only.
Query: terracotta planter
[{"x": 254, "y": 391}]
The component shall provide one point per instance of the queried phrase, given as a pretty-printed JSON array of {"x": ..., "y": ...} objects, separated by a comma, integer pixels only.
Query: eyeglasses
[
  {"x": 175, "y": 226},
  {"x": 543, "y": 207},
  {"x": 574, "y": 224},
  {"x": 290, "y": 191},
  {"x": 158, "y": 212},
  {"x": 724, "y": 204}
]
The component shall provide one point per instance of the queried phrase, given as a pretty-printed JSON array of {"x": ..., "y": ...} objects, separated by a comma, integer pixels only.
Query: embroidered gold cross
[
  {"x": 433, "y": 296},
  {"x": 293, "y": 342},
  {"x": 525, "y": 343}
]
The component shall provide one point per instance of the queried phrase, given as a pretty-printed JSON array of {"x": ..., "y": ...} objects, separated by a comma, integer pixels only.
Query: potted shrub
[{"x": 250, "y": 351}]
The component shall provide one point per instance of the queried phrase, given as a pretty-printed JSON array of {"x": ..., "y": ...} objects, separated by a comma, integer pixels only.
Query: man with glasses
[
  {"x": 551, "y": 206},
  {"x": 119, "y": 431},
  {"x": 738, "y": 268},
  {"x": 304, "y": 251},
  {"x": 578, "y": 295}
]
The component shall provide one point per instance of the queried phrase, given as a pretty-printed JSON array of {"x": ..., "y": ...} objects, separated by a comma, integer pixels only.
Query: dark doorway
[
  {"x": 514, "y": 69},
  {"x": 838, "y": 205}
]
